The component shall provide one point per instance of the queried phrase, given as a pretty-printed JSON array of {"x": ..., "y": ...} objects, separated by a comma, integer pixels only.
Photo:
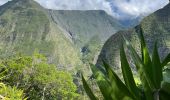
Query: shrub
[
  {"x": 9, "y": 93},
  {"x": 38, "y": 79}
]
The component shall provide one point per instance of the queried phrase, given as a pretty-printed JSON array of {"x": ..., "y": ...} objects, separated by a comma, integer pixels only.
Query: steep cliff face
[
  {"x": 26, "y": 27},
  {"x": 156, "y": 27}
]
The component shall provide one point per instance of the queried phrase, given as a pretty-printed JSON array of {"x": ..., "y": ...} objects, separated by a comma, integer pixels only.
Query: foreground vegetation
[
  {"x": 31, "y": 77},
  {"x": 150, "y": 70},
  {"x": 10, "y": 93}
]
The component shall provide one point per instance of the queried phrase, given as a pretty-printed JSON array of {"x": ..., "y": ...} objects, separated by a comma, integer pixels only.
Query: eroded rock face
[{"x": 156, "y": 27}]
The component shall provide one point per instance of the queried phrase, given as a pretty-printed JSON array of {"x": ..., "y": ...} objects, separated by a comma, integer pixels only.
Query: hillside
[
  {"x": 83, "y": 26},
  {"x": 86, "y": 29},
  {"x": 25, "y": 27},
  {"x": 155, "y": 26},
  {"x": 67, "y": 38}
]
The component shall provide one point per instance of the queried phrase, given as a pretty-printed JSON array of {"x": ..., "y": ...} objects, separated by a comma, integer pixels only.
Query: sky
[{"x": 121, "y": 9}]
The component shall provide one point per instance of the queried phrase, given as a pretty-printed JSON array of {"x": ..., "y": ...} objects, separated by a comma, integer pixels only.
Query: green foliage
[
  {"x": 9, "y": 93},
  {"x": 153, "y": 87},
  {"x": 38, "y": 79}
]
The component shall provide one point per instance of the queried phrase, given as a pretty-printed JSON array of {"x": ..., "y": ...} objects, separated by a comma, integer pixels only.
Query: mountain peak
[{"x": 21, "y": 3}]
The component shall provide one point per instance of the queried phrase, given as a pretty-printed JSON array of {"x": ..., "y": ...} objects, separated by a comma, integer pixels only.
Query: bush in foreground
[
  {"x": 8, "y": 92},
  {"x": 38, "y": 79}
]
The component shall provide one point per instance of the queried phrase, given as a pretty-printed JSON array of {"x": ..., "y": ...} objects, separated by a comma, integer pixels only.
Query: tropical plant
[{"x": 150, "y": 70}]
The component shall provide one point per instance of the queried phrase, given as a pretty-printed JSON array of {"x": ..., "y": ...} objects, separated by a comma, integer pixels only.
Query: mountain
[
  {"x": 83, "y": 26},
  {"x": 26, "y": 27},
  {"x": 86, "y": 29},
  {"x": 65, "y": 37},
  {"x": 130, "y": 23},
  {"x": 155, "y": 26}
]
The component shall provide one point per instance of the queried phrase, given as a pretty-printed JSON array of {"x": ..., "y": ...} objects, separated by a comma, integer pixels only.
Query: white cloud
[
  {"x": 77, "y": 5},
  {"x": 122, "y": 9},
  {"x": 3, "y": 1},
  {"x": 134, "y": 8}
]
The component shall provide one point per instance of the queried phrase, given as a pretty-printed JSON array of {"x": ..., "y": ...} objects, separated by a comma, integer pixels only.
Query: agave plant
[{"x": 150, "y": 70}]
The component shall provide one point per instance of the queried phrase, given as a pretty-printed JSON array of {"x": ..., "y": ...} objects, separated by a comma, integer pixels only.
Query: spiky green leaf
[
  {"x": 146, "y": 60},
  {"x": 119, "y": 89},
  {"x": 128, "y": 76},
  {"x": 156, "y": 66},
  {"x": 146, "y": 82},
  {"x": 88, "y": 90},
  {"x": 103, "y": 82}
]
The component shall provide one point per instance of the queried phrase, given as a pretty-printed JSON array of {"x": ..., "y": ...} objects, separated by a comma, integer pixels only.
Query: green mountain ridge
[
  {"x": 88, "y": 30},
  {"x": 26, "y": 27},
  {"x": 155, "y": 26},
  {"x": 75, "y": 22},
  {"x": 67, "y": 38}
]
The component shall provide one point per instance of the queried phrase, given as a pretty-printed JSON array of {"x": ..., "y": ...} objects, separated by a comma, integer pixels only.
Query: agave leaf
[
  {"x": 128, "y": 76},
  {"x": 157, "y": 69},
  {"x": 137, "y": 60},
  {"x": 139, "y": 65},
  {"x": 119, "y": 89},
  {"x": 146, "y": 59},
  {"x": 146, "y": 82},
  {"x": 88, "y": 90},
  {"x": 166, "y": 60},
  {"x": 145, "y": 53},
  {"x": 102, "y": 82}
]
